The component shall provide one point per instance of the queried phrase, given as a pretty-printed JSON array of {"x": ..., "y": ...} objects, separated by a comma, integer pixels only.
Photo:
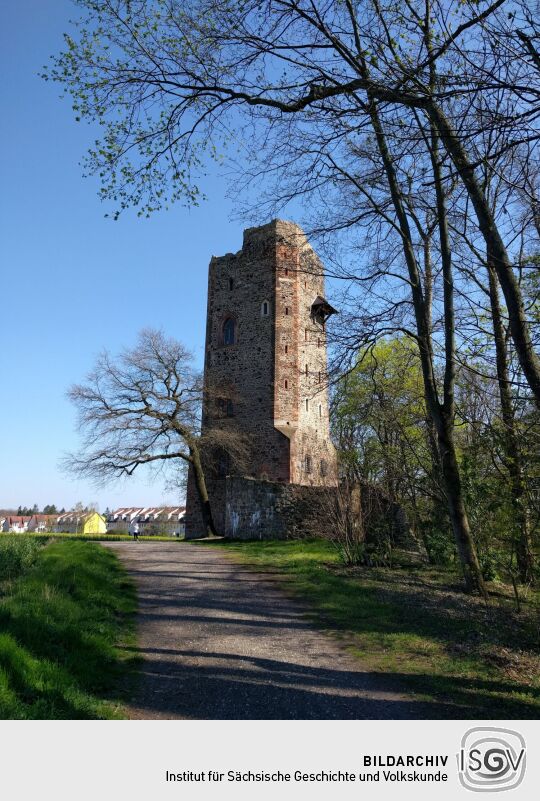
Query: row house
[
  {"x": 152, "y": 520},
  {"x": 16, "y": 524},
  {"x": 81, "y": 523},
  {"x": 20, "y": 524}
]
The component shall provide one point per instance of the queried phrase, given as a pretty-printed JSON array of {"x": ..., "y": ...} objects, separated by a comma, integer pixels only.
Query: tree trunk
[
  {"x": 514, "y": 462},
  {"x": 443, "y": 422},
  {"x": 456, "y": 507},
  {"x": 519, "y": 328},
  {"x": 202, "y": 492}
]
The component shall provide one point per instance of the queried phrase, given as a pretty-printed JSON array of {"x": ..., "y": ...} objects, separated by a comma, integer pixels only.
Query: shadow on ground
[{"x": 219, "y": 641}]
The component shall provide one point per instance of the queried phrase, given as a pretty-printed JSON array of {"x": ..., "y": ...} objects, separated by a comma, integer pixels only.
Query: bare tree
[
  {"x": 342, "y": 510},
  {"x": 143, "y": 408},
  {"x": 308, "y": 83},
  {"x": 169, "y": 79}
]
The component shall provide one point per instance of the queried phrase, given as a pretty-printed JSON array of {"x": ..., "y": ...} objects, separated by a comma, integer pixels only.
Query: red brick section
[{"x": 286, "y": 397}]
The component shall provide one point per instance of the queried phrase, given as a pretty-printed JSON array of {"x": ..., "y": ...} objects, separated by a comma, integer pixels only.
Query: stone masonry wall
[
  {"x": 269, "y": 510},
  {"x": 274, "y": 373}
]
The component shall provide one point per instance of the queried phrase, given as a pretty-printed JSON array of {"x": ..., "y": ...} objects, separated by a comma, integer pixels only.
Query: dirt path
[{"x": 220, "y": 641}]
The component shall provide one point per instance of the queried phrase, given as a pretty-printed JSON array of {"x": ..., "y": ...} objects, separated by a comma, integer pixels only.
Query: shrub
[
  {"x": 17, "y": 555},
  {"x": 438, "y": 544},
  {"x": 342, "y": 509}
]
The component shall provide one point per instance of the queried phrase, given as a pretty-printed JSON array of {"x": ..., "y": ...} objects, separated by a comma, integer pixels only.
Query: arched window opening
[
  {"x": 265, "y": 308},
  {"x": 307, "y": 463},
  {"x": 229, "y": 331},
  {"x": 324, "y": 468}
]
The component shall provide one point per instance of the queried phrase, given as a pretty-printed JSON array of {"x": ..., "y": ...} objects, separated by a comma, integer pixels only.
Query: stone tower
[{"x": 265, "y": 364}]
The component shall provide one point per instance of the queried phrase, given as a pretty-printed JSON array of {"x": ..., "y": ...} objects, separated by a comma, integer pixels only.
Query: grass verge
[
  {"x": 61, "y": 624},
  {"x": 414, "y": 628},
  {"x": 47, "y": 537}
]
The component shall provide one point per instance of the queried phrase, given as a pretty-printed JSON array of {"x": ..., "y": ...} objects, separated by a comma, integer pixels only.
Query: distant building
[
  {"x": 42, "y": 523},
  {"x": 16, "y": 524},
  {"x": 81, "y": 523},
  {"x": 152, "y": 520}
]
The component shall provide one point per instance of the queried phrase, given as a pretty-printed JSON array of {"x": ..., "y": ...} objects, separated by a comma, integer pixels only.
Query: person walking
[{"x": 135, "y": 531}]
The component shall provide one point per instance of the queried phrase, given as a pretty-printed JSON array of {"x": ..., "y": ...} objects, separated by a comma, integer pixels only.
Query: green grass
[
  {"x": 62, "y": 625},
  {"x": 46, "y": 537},
  {"x": 415, "y": 628},
  {"x": 17, "y": 554}
]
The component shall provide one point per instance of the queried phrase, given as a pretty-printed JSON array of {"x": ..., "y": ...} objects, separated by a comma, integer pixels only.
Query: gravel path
[{"x": 220, "y": 641}]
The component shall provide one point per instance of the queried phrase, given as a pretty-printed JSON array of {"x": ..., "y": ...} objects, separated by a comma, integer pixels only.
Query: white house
[
  {"x": 152, "y": 520},
  {"x": 17, "y": 524}
]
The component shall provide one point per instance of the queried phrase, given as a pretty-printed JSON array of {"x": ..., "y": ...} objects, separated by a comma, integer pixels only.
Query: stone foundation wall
[
  {"x": 267, "y": 510},
  {"x": 251, "y": 509},
  {"x": 216, "y": 492}
]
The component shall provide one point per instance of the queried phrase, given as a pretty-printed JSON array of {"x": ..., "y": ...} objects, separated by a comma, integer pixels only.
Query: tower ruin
[{"x": 265, "y": 374}]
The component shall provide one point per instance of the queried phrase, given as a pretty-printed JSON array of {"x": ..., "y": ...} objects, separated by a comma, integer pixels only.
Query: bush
[
  {"x": 341, "y": 508},
  {"x": 438, "y": 544},
  {"x": 17, "y": 555}
]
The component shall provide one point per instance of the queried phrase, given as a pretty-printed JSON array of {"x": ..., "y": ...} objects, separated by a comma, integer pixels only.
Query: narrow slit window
[
  {"x": 229, "y": 331},
  {"x": 307, "y": 404},
  {"x": 307, "y": 371},
  {"x": 319, "y": 376},
  {"x": 307, "y": 335},
  {"x": 320, "y": 410},
  {"x": 231, "y": 283},
  {"x": 265, "y": 308},
  {"x": 286, "y": 348},
  {"x": 286, "y": 384},
  {"x": 286, "y": 309}
]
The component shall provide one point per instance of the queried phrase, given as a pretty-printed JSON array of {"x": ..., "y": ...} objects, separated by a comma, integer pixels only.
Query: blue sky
[{"x": 72, "y": 281}]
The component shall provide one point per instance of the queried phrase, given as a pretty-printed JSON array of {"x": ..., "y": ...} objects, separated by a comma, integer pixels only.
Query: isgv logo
[{"x": 491, "y": 759}]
